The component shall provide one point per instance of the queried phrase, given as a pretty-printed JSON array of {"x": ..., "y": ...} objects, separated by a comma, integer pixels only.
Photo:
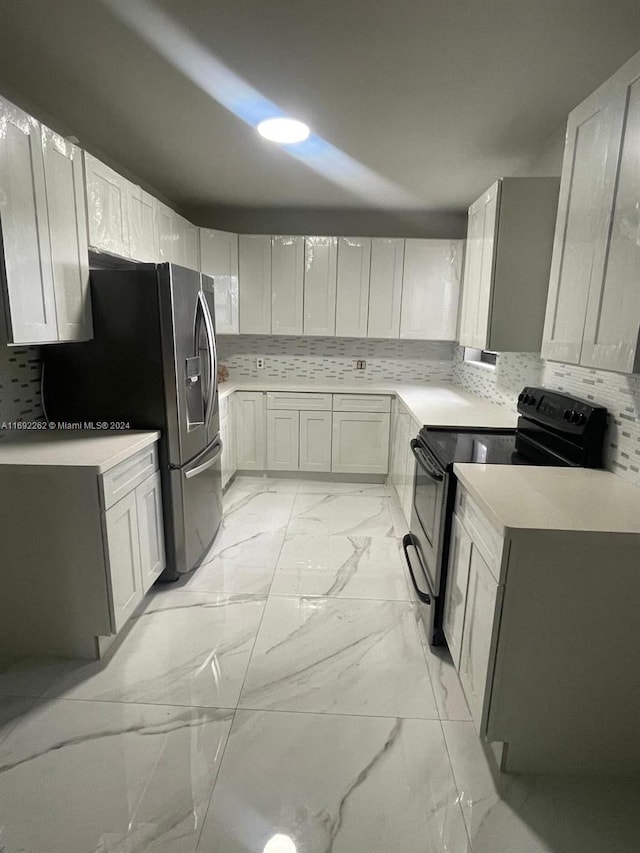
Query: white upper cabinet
[
  {"x": 64, "y": 182},
  {"x": 179, "y": 240},
  {"x": 385, "y": 287},
  {"x": 28, "y": 279},
  {"x": 143, "y": 226},
  {"x": 254, "y": 275},
  {"x": 613, "y": 308},
  {"x": 508, "y": 255},
  {"x": 108, "y": 208},
  {"x": 219, "y": 259},
  {"x": 320, "y": 270},
  {"x": 593, "y": 310},
  {"x": 44, "y": 233},
  {"x": 287, "y": 284},
  {"x": 431, "y": 289},
  {"x": 352, "y": 295}
]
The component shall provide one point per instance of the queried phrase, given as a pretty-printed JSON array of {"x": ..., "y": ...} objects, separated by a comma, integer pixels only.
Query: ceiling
[{"x": 414, "y": 105}]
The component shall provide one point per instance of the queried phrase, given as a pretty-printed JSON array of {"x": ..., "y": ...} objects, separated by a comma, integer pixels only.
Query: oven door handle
[
  {"x": 424, "y": 462},
  {"x": 407, "y": 542}
]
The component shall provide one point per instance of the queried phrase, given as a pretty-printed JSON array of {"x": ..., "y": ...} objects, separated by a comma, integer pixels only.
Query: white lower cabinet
[
  {"x": 134, "y": 539},
  {"x": 360, "y": 443},
  {"x": 228, "y": 438},
  {"x": 123, "y": 558},
  {"x": 283, "y": 429},
  {"x": 471, "y": 600},
  {"x": 95, "y": 546},
  {"x": 150, "y": 530},
  {"x": 475, "y": 652},
  {"x": 456, "y": 590},
  {"x": 403, "y": 465},
  {"x": 315, "y": 441},
  {"x": 545, "y": 654},
  {"x": 299, "y": 437},
  {"x": 250, "y": 430}
]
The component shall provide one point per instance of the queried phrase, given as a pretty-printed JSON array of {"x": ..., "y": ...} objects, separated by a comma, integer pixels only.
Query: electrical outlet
[
  {"x": 260, "y": 362},
  {"x": 358, "y": 364}
]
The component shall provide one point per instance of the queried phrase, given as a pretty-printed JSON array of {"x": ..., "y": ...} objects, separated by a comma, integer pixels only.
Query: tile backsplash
[
  {"x": 619, "y": 392},
  {"x": 329, "y": 359},
  {"x": 20, "y": 369}
]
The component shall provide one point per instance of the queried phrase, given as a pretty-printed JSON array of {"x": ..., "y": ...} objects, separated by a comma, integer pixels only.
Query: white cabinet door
[
  {"x": 123, "y": 559},
  {"x": 360, "y": 443},
  {"x": 320, "y": 270},
  {"x": 166, "y": 235},
  {"x": 191, "y": 252},
  {"x": 385, "y": 287},
  {"x": 108, "y": 208},
  {"x": 254, "y": 282},
  {"x": 430, "y": 289},
  {"x": 475, "y": 653},
  {"x": 143, "y": 226},
  {"x": 456, "y": 591},
  {"x": 352, "y": 289},
  {"x": 64, "y": 180},
  {"x": 287, "y": 283},
  {"x": 150, "y": 530},
  {"x": 250, "y": 429},
  {"x": 227, "y": 435},
  {"x": 28, "y": 275},
  {"x": 282, "y": 440},
  {"x": 315, "y": 441},
  {"x": 612, "y": 324},
  {"x": 586, "y": 190},
  {"x": 479, "y": 267},
  {"x": 219, "y": 259}
]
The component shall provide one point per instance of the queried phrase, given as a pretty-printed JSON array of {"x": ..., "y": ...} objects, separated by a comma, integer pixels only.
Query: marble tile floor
[{"x": 281, "y": 699}]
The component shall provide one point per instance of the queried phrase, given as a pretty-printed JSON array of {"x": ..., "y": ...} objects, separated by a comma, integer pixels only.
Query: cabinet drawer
[
  {"x": 302, "y": 401},
  {"x": 361, "y": 403},
  {"x": 120, "y": 480},
  {"x": 484, "y": 535}
]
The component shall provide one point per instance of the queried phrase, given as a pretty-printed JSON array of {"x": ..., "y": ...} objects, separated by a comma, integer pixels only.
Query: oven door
[{"x": 427, "y": 519}]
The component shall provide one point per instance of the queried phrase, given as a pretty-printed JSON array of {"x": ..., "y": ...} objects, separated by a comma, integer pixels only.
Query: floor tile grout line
[
  {"x": 215, "y": 780},
  {"x": 459, "y": 790},
  {"x": 342, "y": 714}
]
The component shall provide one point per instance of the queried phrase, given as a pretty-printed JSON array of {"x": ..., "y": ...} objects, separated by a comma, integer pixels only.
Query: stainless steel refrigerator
[{"x": 152, "y": 363}]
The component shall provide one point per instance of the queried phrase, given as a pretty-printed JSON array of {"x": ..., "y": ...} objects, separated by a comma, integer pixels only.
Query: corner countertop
[
  {"x": 433, "y": 405},
  {"x": 97, "y": 449},
  {"x": 538, "y": 498}
]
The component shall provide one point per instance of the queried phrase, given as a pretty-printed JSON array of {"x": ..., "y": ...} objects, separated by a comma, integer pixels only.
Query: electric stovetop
[{"x": 450, "y": 445}]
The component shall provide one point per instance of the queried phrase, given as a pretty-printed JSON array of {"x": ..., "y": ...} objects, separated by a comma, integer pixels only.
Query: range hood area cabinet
[
  {"x": 44, "y": 266},
  {"x": 509, "y": 246},
  {"x": 593, "y": 312}
]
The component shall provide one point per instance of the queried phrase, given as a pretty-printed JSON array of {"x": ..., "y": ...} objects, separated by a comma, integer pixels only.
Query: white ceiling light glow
[{"x": 284, "y": 130}]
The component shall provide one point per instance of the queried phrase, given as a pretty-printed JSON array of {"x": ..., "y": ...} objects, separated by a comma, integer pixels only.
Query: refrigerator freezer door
[
  {"x": 196, "y": 492},
  {"x": 185, "y": 366}
]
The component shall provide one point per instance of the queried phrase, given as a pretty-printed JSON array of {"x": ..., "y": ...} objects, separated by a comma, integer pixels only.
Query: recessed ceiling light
[{"x": 284, "y": 130}]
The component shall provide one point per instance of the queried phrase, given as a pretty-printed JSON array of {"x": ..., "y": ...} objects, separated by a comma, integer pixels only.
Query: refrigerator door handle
[
  {"x": 213, "y": 358},
  {"x": 193, "y": 472}
]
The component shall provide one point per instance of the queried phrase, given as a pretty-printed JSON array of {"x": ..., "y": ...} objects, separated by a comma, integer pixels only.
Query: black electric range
[{"x": 553, "y": 429}]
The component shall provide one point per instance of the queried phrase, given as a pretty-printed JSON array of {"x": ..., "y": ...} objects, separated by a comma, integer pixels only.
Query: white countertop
[
  {"x": 96, "y": 449},
  {"x": 434, "y": 405},
  {"x": 539, "y": 498}
]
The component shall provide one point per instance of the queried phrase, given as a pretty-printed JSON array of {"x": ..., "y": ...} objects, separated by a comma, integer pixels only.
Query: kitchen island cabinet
[
  {"x": 82, "y": 538},
  {"x": 541, "y": 617}
]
